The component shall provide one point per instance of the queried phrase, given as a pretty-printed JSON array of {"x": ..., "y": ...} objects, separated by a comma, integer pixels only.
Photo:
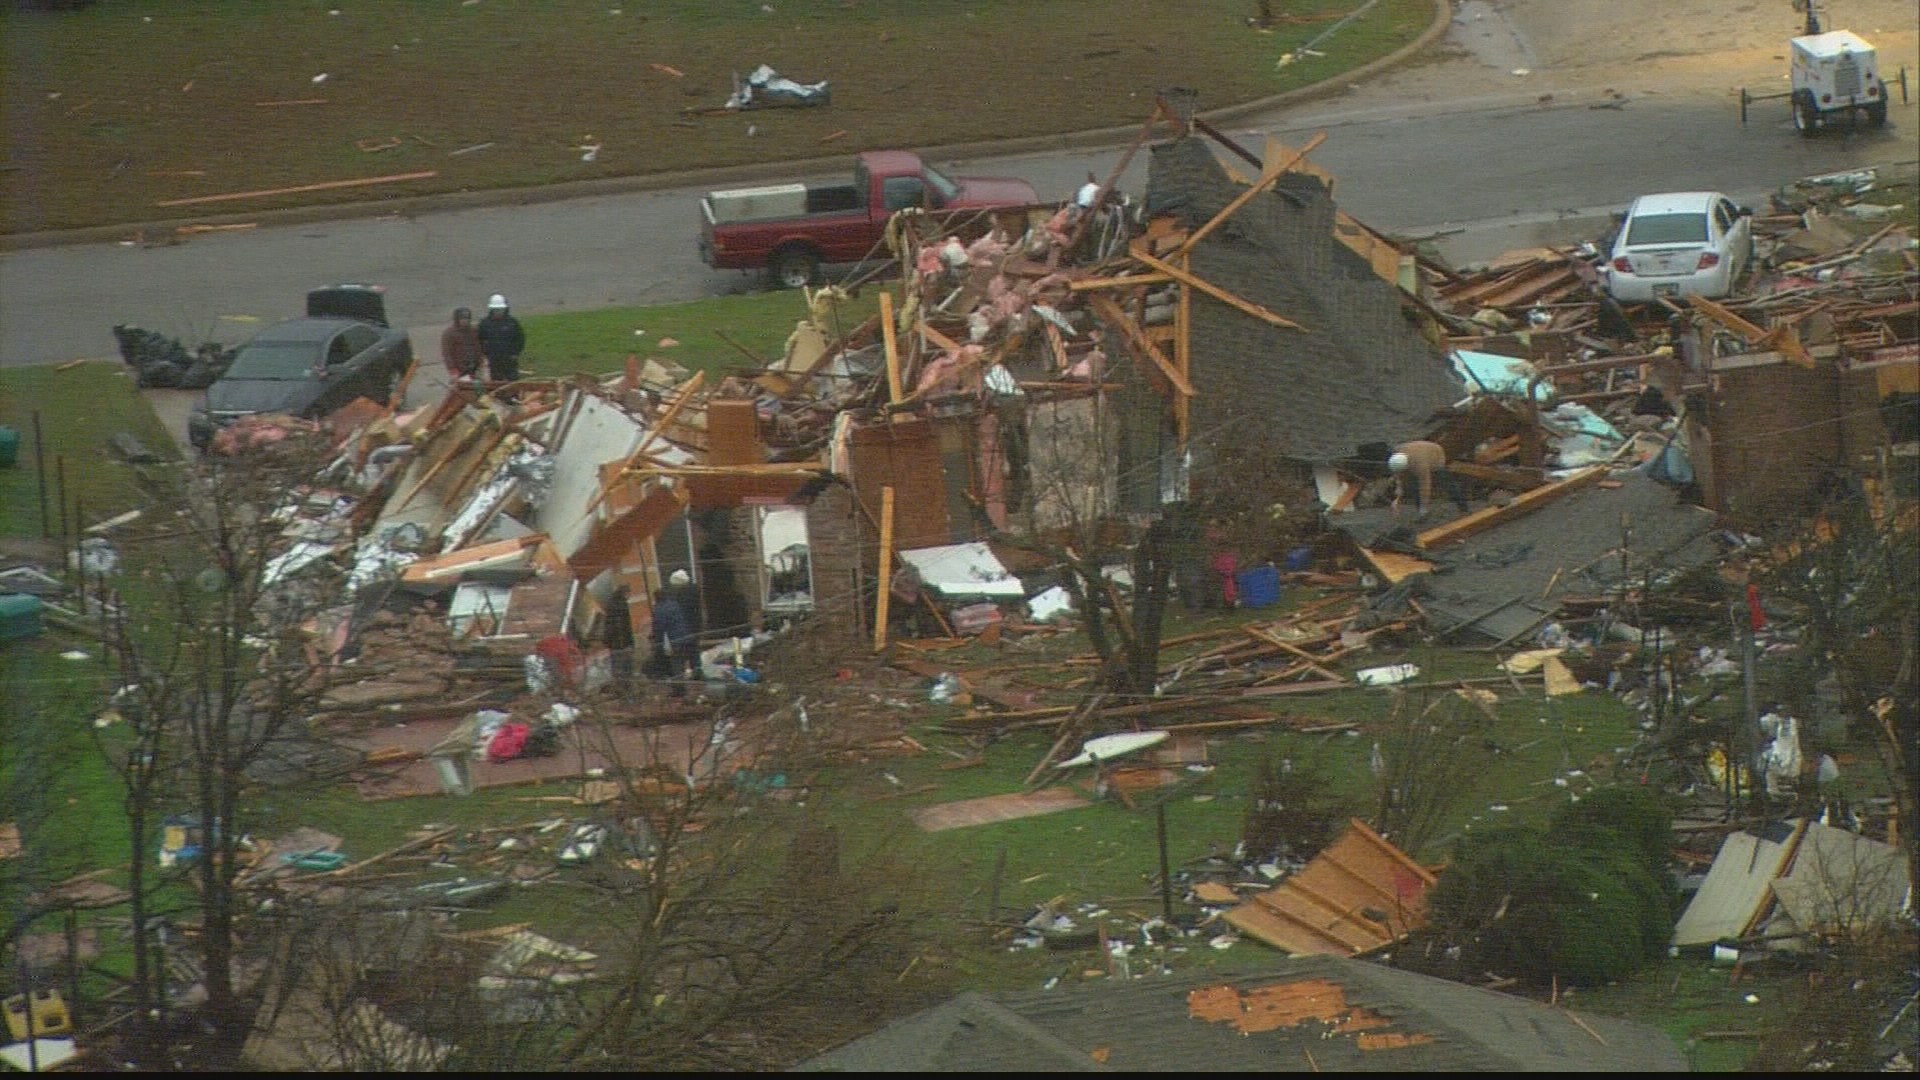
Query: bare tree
[
  {"x": 745, "y": 930},
  {"x": 211, "y": 659},
  {"x": 1856, "y": 586}
]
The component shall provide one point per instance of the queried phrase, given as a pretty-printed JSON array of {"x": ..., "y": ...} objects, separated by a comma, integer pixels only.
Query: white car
[{"x": 1682, "y": 243}]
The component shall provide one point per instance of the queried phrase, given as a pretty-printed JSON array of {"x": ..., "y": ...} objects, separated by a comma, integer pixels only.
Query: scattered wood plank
[
  {"x": 195, "y": 230},
  {"x": 1123, "y": 282},
  {"x": 1215, "y": 291},
  {"x": 1268, "y": 178},
  {"x": 410, "y": 846},
  {"x": 329, "y": 185},
  {"x": 1111, "y": 313},
  {"x": 1526, "y": 503},
  {"x": 886, "y": 561},
  {"x": 894, "y": 388}
]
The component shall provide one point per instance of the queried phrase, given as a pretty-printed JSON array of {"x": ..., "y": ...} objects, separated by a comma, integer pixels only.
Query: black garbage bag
[
  {"x": 210, "y": 361},
  {"x": 161, "y": 361},
  {"x": 162, "y": 374}
]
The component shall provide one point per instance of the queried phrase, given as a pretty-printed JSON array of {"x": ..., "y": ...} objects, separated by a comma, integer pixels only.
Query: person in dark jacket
[
  {"x": 618, "y": 635},
  {"x": 460, "y": 346},
  {"x": 676, "y": 630},
  {"x": 501, "y": 340}
]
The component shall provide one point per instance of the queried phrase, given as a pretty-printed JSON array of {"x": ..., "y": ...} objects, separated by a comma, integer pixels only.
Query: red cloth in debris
[
  {"x": 507, "y": 743},
  {"x": 563, "y": 656},
  {"x": 1756, "y": 614},
  {"x": 1227, "y": 565}
]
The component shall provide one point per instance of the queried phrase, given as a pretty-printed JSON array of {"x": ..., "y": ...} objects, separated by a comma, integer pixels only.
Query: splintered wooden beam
[
  {"x": 941, "y": 339},
  {"x": 687, "y": 390},
  {"x": 1091, "y": 284},
  {"x": 1058, "y": 344},
  {"x": 886, "y": 568},
  {"x": 1523, "y": 504},
  {"x": 1753, "y": 335},
  {"x": 1111, "y": 313},
  {"x": 1100, "y": 196},
  {"x": 894, "y": 392},
  {"x": 1215, "y": 291},
  {"x": 1268, "y": 178}
]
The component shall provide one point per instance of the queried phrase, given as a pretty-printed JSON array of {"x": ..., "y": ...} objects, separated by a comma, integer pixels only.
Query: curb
[{"x": 1096, "y": 138}]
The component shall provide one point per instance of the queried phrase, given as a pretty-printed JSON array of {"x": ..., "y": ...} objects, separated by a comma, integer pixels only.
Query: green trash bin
[
  {"x": 9, "y": 446},
  {"x": 19, "y": 616}
]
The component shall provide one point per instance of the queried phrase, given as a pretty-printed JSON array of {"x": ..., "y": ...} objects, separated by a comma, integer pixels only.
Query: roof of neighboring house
[
  {"x": 1360, "y": 372},
  {"x": 1305, "y": 1014}
]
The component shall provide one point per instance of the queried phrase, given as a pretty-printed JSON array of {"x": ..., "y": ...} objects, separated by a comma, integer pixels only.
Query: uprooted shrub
[{"x": 1587, "y": 899}]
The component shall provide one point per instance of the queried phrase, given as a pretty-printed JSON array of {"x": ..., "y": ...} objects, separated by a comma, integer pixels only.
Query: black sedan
[{"x": 304, "y": 367}]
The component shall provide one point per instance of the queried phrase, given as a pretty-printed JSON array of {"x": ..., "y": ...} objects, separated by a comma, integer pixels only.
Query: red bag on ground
[{"x": 507, "y": 743}]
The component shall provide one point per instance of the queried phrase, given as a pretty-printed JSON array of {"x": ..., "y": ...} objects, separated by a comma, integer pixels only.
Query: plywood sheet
[
  {"x": 906, "y": 457},
  {"x": 992, "y": 808},
  {"x": 1358, "y": 895}
]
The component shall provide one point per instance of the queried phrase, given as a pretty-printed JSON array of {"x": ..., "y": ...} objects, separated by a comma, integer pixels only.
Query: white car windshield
[
  {"x": 1690, "y": 228},
  {"x": 274, "y": 360}
]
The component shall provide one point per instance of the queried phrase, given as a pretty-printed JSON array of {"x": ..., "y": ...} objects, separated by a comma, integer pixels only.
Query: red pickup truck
[{"x": 791, "y": 230}]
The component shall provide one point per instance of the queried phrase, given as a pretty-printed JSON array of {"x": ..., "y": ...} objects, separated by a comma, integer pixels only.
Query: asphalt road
[{"x": 1475, "y": 147}]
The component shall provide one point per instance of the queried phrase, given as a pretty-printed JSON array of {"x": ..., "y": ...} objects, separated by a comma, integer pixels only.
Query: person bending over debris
[
  {"x": 502, "y": 340},
  {"x": 1427, "y": 461},
  {"x": 460, "y": 346}
]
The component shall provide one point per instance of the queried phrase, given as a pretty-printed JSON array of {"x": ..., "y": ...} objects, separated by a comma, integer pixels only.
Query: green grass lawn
[
  {"x": 128, "y": 104},
  {"x": 78, "y": 409},
  {"x": 694, "y": 335}
]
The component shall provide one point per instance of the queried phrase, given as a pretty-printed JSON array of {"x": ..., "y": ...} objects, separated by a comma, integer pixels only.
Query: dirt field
[{"x": 114, "y": 112}]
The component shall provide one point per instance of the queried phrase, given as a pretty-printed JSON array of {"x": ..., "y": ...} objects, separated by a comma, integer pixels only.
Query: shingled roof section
[
  {"x": 1359, "y": 373},
  {"x": 1307, "y": 1014}
]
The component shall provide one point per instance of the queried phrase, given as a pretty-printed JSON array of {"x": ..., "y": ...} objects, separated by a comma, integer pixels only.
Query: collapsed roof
[{"x": 1357, "y": 371}]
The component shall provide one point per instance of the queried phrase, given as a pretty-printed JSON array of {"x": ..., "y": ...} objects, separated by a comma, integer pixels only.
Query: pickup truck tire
[
  {"x": 1806, "y": 115},
  {"x": 793, "y": 267}
]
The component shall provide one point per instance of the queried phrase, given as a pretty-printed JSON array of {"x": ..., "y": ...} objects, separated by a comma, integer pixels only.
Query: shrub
[{"x": 1587, "y": 899}]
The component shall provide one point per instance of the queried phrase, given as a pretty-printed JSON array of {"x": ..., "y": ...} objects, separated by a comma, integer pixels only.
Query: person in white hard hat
[
  {"x": 502, "y": 340},
  {"x": 1427, "y": 461},
  {"x": 676, "y": 630}
]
